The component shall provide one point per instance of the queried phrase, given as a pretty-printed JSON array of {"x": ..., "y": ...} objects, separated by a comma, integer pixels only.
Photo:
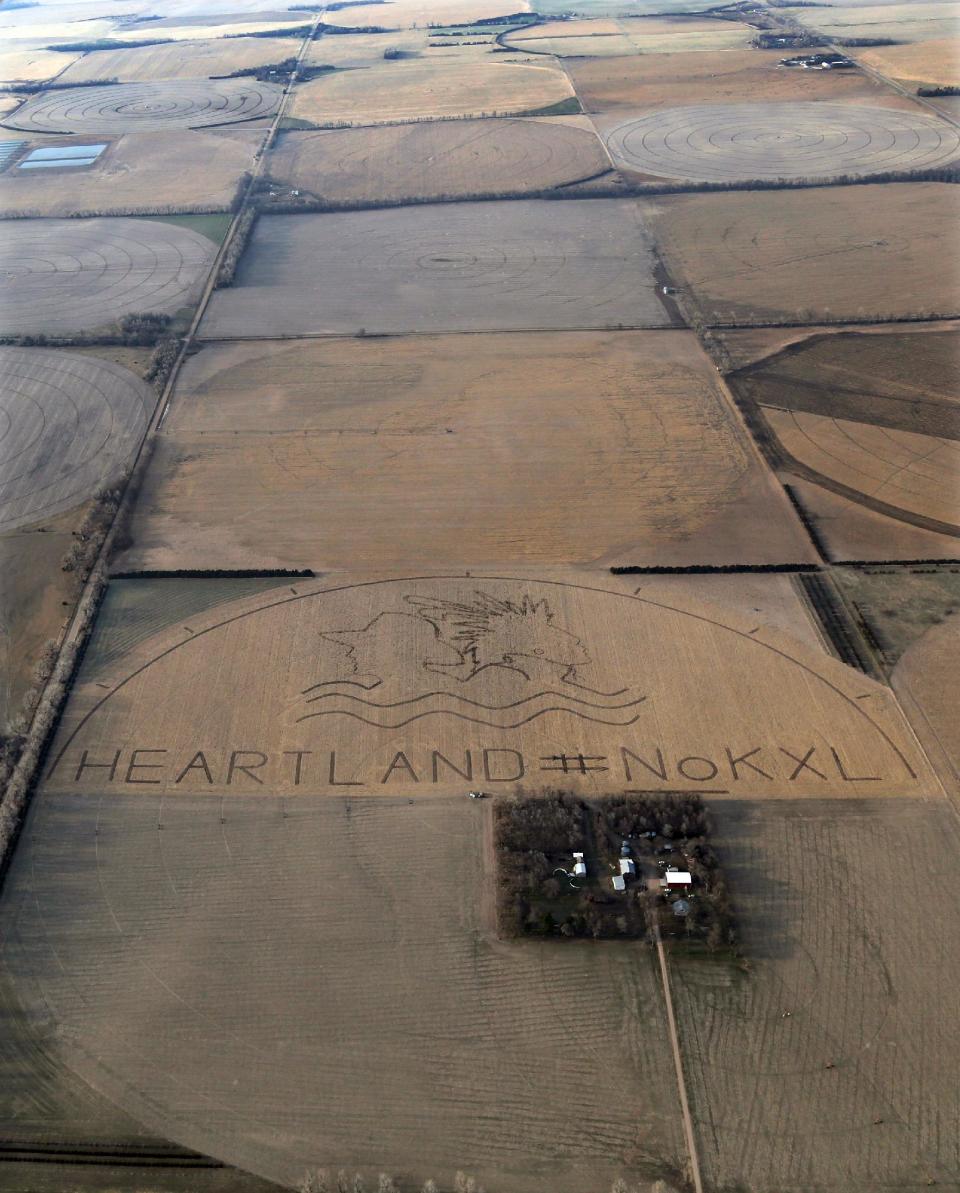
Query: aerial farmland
[{"x": 479, "y": 596}]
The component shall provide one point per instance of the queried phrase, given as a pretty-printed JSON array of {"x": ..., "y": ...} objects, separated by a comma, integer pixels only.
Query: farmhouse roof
[
  {"x": 626, "y": 865},
  {"x": 678, "y": 876}
]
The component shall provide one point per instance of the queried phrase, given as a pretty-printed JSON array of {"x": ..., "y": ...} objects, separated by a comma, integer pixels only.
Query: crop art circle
[
  {"x": 67, "y": 424},
  {"x": 424, "y": 684},
  {"x": 743, "y": 142},
  {"x": 143, "y": 107}
]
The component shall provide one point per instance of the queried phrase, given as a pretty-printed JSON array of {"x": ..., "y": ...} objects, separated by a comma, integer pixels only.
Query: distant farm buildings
[{"x": 819, "y": 62}]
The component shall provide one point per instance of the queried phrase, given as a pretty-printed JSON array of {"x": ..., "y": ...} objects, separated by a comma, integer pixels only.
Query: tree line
[{"x": 320, "y": 1180}]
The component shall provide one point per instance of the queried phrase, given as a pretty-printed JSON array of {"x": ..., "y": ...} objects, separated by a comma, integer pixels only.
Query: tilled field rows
[
  {"x": 832, "y": 1065},
  {"x": 377, "y": 1025}
]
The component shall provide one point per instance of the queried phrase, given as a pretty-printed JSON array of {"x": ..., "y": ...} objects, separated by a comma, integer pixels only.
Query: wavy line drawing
[
  {"x": 444, "y": 712},
  {"x": 476, "y": 703},
  {"x": 354, "y": 683}
]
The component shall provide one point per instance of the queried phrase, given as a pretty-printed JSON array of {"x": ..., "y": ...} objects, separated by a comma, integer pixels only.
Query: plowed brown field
[
  {"x": 838, "y": 1051},
  {"x": 805, "y": 255},
  {"x": 415, "y": 90},
  {"x": 443, "y": 158},
  {"x": 139, "y": 173},
  {"x": 462, "y": 450},
  {"x": 727, "y": 76},
  {"x": 199, "y": 59}
]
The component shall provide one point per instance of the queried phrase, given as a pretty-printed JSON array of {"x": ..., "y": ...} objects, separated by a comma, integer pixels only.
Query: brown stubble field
[
  {"x": 832, "y": 1064},
  {"x": 414, "y": 90},
  {"x": 162, "y": 171},
  {"x": 199, "y": 59},
  {"x": 32, "y": 591},
  {"x": 872, "y": 415},
  {"x": 70, "y": 423},
  {"x": 32, "y": 63},
  {"x": 934, "y": 62},
  {"x": 924, "y": 680},
  {"x": 504, "y": 428},
  {"x": 378, "y": 1024},
  {"x": 849, "y": 530},
  {"x": 645, "y": 82},
  {"x": 643, "y": 35},
  {"x": 405, "y": 14},
  {"x": 911, "y": 21},
  {"x": 439, "y": 158},
  {"x": 806, "y": 255},
  {"x": 251, "y": 904},
  {"x": 526, "y": 264}
]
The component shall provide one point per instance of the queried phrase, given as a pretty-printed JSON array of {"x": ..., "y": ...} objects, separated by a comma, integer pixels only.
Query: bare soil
[
  {"x": 525, "y": 265},
  {"x": 33, "y": 589},
  {"x": 759, "y": 256},
  {"x": 642, "y": 82},
  {"x": 459, "y": 450},
  {"x": 614, "y": 38},
  {"x": 442, "y": 158},
  {"x": 183, "y": 1043},
  {"x": 901, "y": 22},
  {"x": 836, "y": 1048},
  {"x": 925, "y": 683},
  {"x": 139, "y": 172},
  {"x": 936, "y": 62},
  {"x": 199, "y": 59},
  {"x": 850, "y": 530},
  {"x": 878, "y": 414},
  {"x": 415, "y": 90}
]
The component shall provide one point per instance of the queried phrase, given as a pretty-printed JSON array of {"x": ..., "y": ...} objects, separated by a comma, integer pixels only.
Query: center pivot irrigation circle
[
  {"x": 68, "y": 424},
  {"x": 136, "y": 107},
  {"x": 65, "y": 275},
  {"x": 742, "y": 142}
]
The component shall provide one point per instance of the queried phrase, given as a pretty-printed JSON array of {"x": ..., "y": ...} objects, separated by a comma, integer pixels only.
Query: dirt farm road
[{"x": 678, "y": 1065}]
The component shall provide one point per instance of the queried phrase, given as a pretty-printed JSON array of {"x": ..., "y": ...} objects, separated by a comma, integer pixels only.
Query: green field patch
[{"x": 212, "y": 224}]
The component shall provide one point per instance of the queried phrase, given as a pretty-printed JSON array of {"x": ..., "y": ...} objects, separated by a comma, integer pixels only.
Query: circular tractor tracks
[
  {"x": 142, "y": 107},
  {"x": 743, "y": 142},
  {"x": 69, "y": 275},
  {"x": 68, "y": 424}
]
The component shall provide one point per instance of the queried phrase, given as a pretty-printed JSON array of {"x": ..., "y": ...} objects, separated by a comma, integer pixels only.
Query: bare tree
[{"x": 313, "y": 1181}]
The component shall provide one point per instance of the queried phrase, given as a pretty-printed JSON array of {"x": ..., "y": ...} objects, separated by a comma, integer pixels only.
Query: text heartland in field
[{"x": 800, "y": 765}]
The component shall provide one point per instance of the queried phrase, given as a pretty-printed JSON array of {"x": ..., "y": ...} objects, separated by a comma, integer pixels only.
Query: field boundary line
[
  {"x": 678, "y": 1066},
  {"x": 163, "y": 405}
]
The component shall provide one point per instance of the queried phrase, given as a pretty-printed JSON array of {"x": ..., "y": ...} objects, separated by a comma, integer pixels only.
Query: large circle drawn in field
[
  {"x": 66, "y": 275},
  {"x": 140, "y": 107},
  {"x": 68, "y": 424},
  {"x": 735, "y": 142},
  {"x": 420, "y": 685}
]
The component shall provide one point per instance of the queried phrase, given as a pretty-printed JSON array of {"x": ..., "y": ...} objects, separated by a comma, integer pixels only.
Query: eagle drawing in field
[{"x": 489, "y": 631}]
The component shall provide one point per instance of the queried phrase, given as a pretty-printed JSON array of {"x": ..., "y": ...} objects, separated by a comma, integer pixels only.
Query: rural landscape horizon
[{"x": 479, "y": 596}]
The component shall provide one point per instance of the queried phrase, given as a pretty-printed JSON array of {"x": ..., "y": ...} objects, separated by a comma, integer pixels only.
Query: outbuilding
[
  {"x": 678, "y": 880},
  {"x": 618, "y": 882},
  {"x": 627, "y": 868}
]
